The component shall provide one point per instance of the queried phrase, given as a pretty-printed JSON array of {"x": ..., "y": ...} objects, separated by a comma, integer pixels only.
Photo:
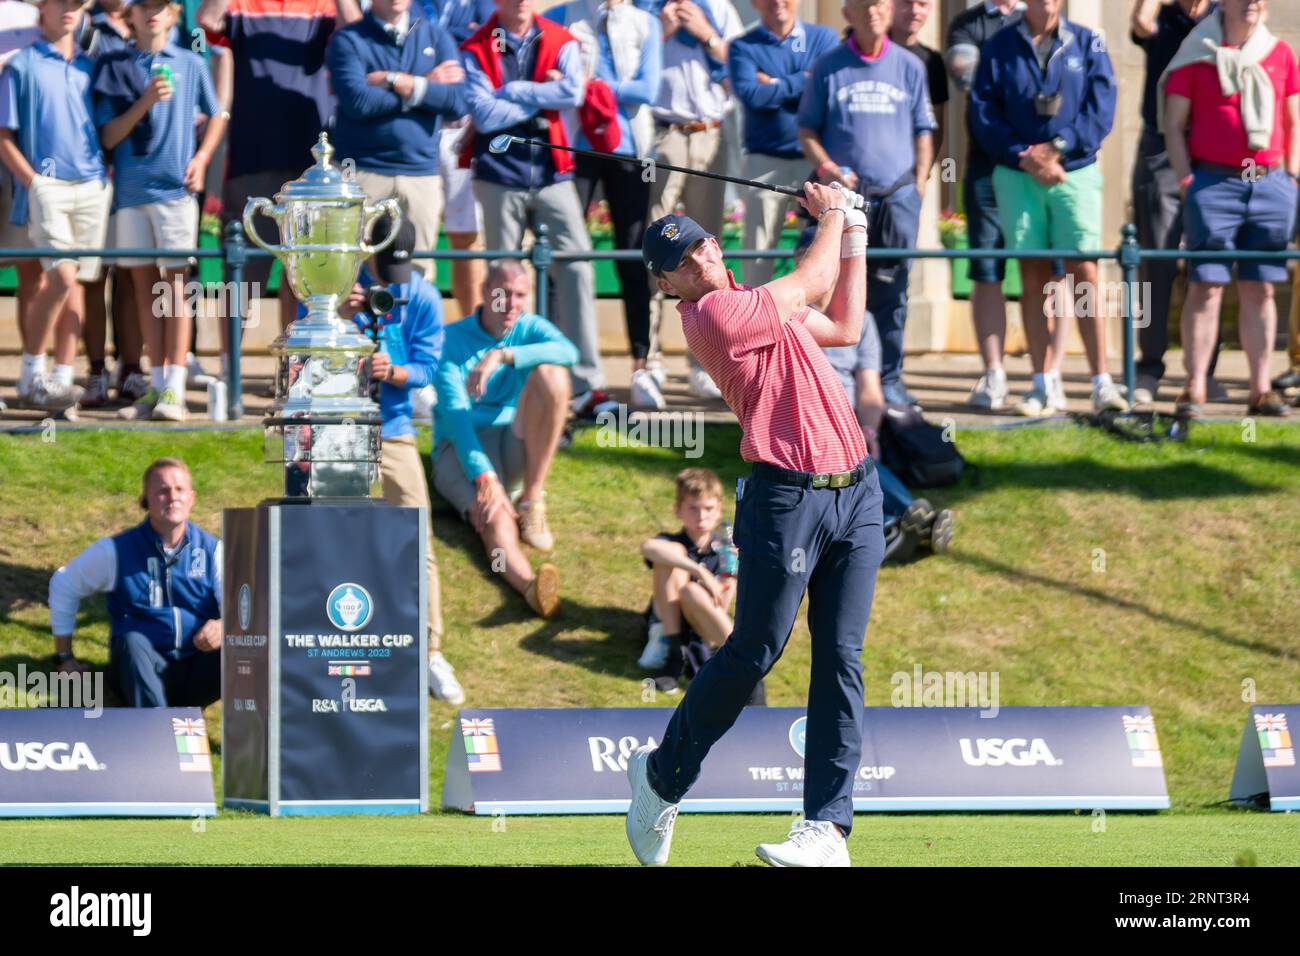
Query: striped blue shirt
[{"x": 149, "y": 164}]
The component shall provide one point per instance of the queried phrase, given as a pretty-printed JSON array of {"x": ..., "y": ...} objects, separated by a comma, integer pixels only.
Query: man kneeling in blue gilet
[{"x": 163, "y": 581}]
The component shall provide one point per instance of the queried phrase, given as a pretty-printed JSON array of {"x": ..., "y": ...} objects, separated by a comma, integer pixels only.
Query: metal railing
[{"x": 542, "y": 254}]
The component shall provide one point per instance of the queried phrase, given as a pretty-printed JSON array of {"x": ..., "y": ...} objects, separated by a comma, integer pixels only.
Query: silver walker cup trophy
[{"x": 324, "y": 428}]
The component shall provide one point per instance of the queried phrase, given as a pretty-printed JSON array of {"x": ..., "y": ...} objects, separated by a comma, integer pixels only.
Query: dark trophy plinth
[{"x": 324, "y": 671}]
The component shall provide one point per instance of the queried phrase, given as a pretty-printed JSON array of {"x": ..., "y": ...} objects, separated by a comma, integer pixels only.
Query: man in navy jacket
[
  {"x": 163, "y": 581},
  {"x": 1043, "y": 102},
  {"x": 396, "y": 75},
  {"x": 768, "y": 66}
]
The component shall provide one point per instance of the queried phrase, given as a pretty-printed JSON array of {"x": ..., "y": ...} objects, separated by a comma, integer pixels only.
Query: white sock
[
  {"x": 1103, "y": 379},
  {"x": 33, "y": 365},
  {"x": 997, "y": 376},
  {"x": 63, "y": 374},
  {"x": 156, "y": 379},
  {"x": 1040, "y": 382},
  {"x": 175, "y": 377}
]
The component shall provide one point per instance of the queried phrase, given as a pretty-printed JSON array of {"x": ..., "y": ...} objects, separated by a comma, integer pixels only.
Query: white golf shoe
[
  {"x": 810, "y": 843},
  {"x": 650, "y": 818}
]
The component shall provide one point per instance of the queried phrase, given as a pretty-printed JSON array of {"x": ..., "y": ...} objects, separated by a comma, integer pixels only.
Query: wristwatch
[
  {"x": 712, "y": 42},
  {"x": 1060, "y": 144},
  {"x": 391, "y": 80}
]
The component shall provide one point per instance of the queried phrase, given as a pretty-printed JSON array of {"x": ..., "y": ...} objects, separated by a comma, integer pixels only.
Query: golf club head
[{"x": 500, "y": 143}]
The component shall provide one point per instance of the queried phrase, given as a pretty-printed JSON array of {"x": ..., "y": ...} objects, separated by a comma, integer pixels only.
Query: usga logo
[
  {"x": 1012, "y": 752},
  {"x": 51, "y": 756},
  {"x": 349, "y": 607},
  {"x": 245, "y": 606}
]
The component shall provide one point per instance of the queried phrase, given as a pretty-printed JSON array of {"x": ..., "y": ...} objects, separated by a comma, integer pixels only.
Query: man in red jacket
[{"x": 521, "y": 70}]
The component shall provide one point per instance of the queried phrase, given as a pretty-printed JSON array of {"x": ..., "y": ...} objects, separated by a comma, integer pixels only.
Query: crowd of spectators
[
  {"x": 107, "y": 109},
  {"x": 121, "y": 105}
]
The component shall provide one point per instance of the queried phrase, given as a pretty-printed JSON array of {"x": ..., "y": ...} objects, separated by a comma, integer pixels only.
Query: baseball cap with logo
[{"x": 666, "y": 241}]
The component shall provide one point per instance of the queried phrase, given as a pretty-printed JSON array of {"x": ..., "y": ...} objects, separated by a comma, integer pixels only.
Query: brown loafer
[
  {"x": 543, "y": 591},
  {"x": 1269, "y": 405}
]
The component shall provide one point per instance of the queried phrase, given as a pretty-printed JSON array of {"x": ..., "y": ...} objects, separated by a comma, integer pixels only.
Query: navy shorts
[
  {"x": 983, "y": 227},
  {"x": 1229, "y": 212}
]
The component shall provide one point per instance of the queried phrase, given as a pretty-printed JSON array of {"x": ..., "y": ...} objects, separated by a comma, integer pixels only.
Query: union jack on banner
[
  {"x": 478, "y": 727},
  {"x": 1270, "y": 722},
  {"x": 188, "y": 727},
  {"x": 1139, "y": 723}
]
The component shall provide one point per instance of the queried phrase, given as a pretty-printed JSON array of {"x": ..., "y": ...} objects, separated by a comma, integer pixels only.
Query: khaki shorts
[
  {"x": 172, "y": 224},
  {"x": 67, "y": 215},
  {"x": 421, "y": 201},
  {"x": 461, "y": 212},
  {"x": 504, "y": 449}
]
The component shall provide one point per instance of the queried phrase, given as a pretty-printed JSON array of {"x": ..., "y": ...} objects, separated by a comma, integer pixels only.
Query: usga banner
[
  {"x": 923, "y": 758},
  {"x": 125, "y": 762},
  {"x": 1266, "y": 771}
]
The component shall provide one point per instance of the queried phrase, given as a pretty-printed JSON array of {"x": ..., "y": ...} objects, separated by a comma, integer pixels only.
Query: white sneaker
[
  {"x": 1035, "y": 404},
  {"x": 1108, "y": 397},
  {"x": 52, "y": 396},
  {"x": 701, "y": 384},
  {"x": 422, "y": 402},
  {"x": 810, "y": 843},
  {"x": 657, "y": 373},
  {"x": 657, "y": 647},
  {"x": 990, "y": 391},
  {"x": 442, "y": 680},
  {"x": 1056, "y": 392},
  {"x": 170, "y": 407},
  {"x": 645, "y": 391},
  {"x": 650, "y": 817},
  {"x": 195, "y": 373}
]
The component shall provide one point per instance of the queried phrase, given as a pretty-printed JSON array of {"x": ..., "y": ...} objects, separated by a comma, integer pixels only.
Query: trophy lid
[{"x": 324, "y": 180}]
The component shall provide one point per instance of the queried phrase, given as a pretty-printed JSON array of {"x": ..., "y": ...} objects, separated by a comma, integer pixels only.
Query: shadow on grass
[
  {"x": 1167, "y": 481},
  {"x": 1021, "y": 576}
]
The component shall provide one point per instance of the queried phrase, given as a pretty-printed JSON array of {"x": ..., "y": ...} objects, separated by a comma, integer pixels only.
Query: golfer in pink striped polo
[{"x": 808, "y": 519}]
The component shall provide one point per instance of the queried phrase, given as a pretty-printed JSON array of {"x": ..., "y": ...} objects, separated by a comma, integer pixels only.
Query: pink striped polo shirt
[{"x": 791, "y": 405}]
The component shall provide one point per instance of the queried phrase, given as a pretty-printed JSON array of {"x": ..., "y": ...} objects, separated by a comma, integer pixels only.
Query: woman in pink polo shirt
[
  {"x": 808, "y": 519},
  {"x": 1237, "y": 158}
]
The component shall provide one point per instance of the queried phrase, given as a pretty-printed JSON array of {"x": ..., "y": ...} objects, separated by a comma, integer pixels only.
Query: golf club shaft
[{"x": 787, "y": 190}]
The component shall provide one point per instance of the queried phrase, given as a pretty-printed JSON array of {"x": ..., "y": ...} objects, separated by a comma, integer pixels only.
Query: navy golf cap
[{"x": 666, "y": 241}]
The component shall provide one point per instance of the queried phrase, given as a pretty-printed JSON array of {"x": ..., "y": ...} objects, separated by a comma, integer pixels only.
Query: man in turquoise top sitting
[{"x": 503, "y": 397}]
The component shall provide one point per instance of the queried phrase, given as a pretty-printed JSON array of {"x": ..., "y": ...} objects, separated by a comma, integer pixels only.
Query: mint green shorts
[{"x": 1064, "y": 216}]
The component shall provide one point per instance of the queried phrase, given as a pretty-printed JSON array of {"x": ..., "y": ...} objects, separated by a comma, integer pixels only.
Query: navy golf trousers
[{"x": 828, "y": 542}]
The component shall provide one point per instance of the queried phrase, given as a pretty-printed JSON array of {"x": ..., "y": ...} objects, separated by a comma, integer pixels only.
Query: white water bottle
[{"x": 217, "y": 400}]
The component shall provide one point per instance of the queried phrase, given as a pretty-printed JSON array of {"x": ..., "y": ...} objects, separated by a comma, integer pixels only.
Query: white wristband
[{"x": 853, "y": 244}]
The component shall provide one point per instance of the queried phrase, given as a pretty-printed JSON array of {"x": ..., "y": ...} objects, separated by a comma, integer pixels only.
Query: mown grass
[{"x": 1084, "y": 571}]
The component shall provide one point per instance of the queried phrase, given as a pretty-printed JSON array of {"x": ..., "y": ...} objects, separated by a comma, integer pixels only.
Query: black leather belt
[
  {"x": 804, "y": 479},
  {"x": 1218, "y": 169}
]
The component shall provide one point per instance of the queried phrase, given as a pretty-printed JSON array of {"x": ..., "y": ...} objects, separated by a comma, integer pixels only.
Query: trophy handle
[
  {"x": 371, "y": 215},
  {"x": 273, "y": 212}
]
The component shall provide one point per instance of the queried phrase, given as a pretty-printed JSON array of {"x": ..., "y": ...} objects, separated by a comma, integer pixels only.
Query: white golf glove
[{"x": 852, "y": 242}]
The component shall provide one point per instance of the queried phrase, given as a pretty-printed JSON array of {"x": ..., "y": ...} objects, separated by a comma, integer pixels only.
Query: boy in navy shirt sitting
[{"x": 694, "y": 585}]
